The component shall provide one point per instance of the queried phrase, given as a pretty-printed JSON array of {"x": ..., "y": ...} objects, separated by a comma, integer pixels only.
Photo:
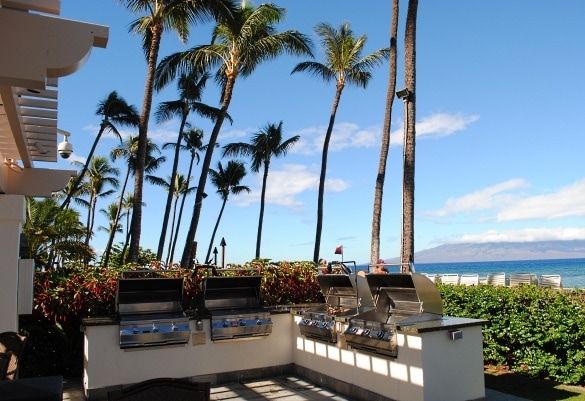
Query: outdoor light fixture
[
  {"x": 12, "y": 165},
  {"x": 40, "y": 148},
  {"x": 403, "y": 94},
  {"x": 65, "y": 148}
]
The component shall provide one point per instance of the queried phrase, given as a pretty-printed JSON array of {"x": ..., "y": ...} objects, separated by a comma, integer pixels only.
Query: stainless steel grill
[
  {"x": 342, "y": 300},
  {"x": 401, "y": 299},
  {"x": 150, "y": 311},
  {"x": 235, "y": 308}
]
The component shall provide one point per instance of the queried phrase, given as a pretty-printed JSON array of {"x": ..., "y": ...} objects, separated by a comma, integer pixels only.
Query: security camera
[{"x": 65, "y": 149}]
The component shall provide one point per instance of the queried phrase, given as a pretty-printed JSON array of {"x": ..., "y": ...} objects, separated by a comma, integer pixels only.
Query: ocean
[{"x": 572, "y": 271}]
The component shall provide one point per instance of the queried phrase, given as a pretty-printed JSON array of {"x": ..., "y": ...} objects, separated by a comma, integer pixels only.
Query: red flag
[{"x": 339, "y": 250}]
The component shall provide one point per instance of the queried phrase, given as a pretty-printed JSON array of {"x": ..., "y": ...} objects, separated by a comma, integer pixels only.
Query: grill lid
[
  {"x": 232, "y": 292},
  {"x": 149, "y": 295},
  {"x": 405, "y": 294}
]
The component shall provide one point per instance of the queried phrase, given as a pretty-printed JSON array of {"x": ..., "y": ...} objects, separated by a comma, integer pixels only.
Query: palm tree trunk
[
  {"x": 261, "y": 218},
  {"x": 184, "y": 197},
  {"x": 407, "y": 253},
  {"x": 381, "y": 177},
  {"x": 136, "y": 224},
  {"x": 110, "y": 243},
  {"x": 207, "y": 260},
  {"x": 323, "y": 173},
  {"x": 187, "y": 258},
  {"x": 163, "y": 233},
  {"x": 168, "y": 260}
]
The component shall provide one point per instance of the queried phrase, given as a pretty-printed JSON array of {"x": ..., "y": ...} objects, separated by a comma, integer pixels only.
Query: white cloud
[
  {"x": 524, "y": 235},
  {"x": 285, "y": 185},
  {"x": 568, "y": 201},
  {"x": 435, "y": 126},
  {"x": 493, "y": 197}
]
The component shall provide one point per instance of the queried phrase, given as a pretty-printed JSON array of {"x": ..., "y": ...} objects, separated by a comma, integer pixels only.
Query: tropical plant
[
  {"x": 227, "y": 181},
  {"x": 160, "y": 15},
  {"x": 53, "y": 234},
  {"x": 264, "y": 145},
  {"x": 381, "y": 176},
  {"x": 190, "y": 86},
  {"x": 115, "y": 111},
  {"x": 240, "y": 43},
  {"x": 343, "y": 64},
  {"x": 407, "y": 251}
]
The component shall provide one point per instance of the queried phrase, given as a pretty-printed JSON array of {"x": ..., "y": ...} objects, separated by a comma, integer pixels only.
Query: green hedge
[{"x": 534, "y": 331}]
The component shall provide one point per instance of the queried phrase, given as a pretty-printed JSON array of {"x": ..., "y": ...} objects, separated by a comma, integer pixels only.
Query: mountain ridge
[{"x": 500, "y": 251}]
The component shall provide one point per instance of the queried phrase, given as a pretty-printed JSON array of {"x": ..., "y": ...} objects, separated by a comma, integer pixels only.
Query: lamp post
[{"x": 405, "y": 95}]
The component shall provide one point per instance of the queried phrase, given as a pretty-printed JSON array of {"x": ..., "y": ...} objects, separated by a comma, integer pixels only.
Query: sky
[{"x": 499, "y": 123}]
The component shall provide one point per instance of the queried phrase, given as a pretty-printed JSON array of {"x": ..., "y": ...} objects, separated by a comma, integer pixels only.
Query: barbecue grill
[
  {"x": 343, "y": 299},
  {"x": 150, "y": 310},
  {"x": 235, "y": 308},
  {"x": 401, "y": 299}
]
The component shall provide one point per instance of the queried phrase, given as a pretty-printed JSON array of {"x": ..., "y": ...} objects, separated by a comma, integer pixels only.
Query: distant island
[{"x": 500, "y": 251}]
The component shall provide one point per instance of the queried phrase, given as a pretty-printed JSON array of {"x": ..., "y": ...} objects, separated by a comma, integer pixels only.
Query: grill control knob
[
  {"x": 242, "y": 322},
  {"x": 226, "y": 324},
  {"x": 135, "y": 330},
  {"x": 154, "y": 328},
  {"x": 258, "y": 322},
  {"x": 174, "y": 327}
]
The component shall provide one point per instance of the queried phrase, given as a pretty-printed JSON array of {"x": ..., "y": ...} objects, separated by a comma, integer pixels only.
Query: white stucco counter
[{"x": 440, "y": 360}]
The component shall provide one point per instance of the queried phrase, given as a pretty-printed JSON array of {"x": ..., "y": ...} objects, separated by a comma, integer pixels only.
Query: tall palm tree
[
  {"x": 239, "y": 45},
  {"x": 381, "y": 176},
  {"x": 190, "y": 86},
  {"x": 344, "y": 64},
  {"x": 407, "y": 251},
  {"x": 101, "y": 183},
  {"x": 115, "y": 111},
  {"x": 264, "y": 145},
  {"x": 227, "y": 181},
  {"x": 113, "y": 215},
  {"x": 160, "y": 15},
  {"x": 177, "y": 187},
  {"x": 128, "y": 151},
  {"x": 194, "y": 145}
]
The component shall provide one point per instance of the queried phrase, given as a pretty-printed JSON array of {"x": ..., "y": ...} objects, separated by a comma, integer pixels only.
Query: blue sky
[{"x": 500, "y": 102}]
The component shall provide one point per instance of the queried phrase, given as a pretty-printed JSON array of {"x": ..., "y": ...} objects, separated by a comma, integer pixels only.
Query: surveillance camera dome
[{"x": 65, "y": 149}]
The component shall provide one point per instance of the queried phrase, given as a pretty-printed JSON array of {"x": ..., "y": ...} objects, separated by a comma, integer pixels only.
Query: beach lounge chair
[
  {"x": 496, "y": 279},
  {"x": 551, "y": 281},
  {"x": 14, "y": 343},
  {"x": 432, "y": 277},
  {"x": 449, "y": 278},
  {"x": 469, "y": 279},
  {"x": 521, "y": 278}
]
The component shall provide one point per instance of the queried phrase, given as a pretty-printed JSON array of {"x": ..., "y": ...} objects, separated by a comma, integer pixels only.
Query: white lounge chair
[
  {"x": 521, "y": 278},
  {"x": 496, "y": 279},
  {"x": 469, "y": 279},
  {"x": 432, "y": 277},
  {"x": 551, "y": 281},
  {"x": 449, "y": 278}
]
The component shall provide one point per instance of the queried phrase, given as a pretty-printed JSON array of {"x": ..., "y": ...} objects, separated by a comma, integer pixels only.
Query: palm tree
[
  {"x": 264, "y": 145},
  {"x": 407, "y": 251},
  {"x": 100, "y": 176},
  {"x": 113, "y": 215},
  {"x": 345, "y": 65},
  {"x": 177, "y": 187},
  {"x": 128, "y": 151},
  {"x": 190, "y": 87},
  {"x": 114, "y": 110},
  {"x": 381, "y": 176},
  {"x": 193, "y": 144},
  {"x": 160, "y": 15},
  {"x": 239, "y": 45},
  {"x": 227, "y": 181}
]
